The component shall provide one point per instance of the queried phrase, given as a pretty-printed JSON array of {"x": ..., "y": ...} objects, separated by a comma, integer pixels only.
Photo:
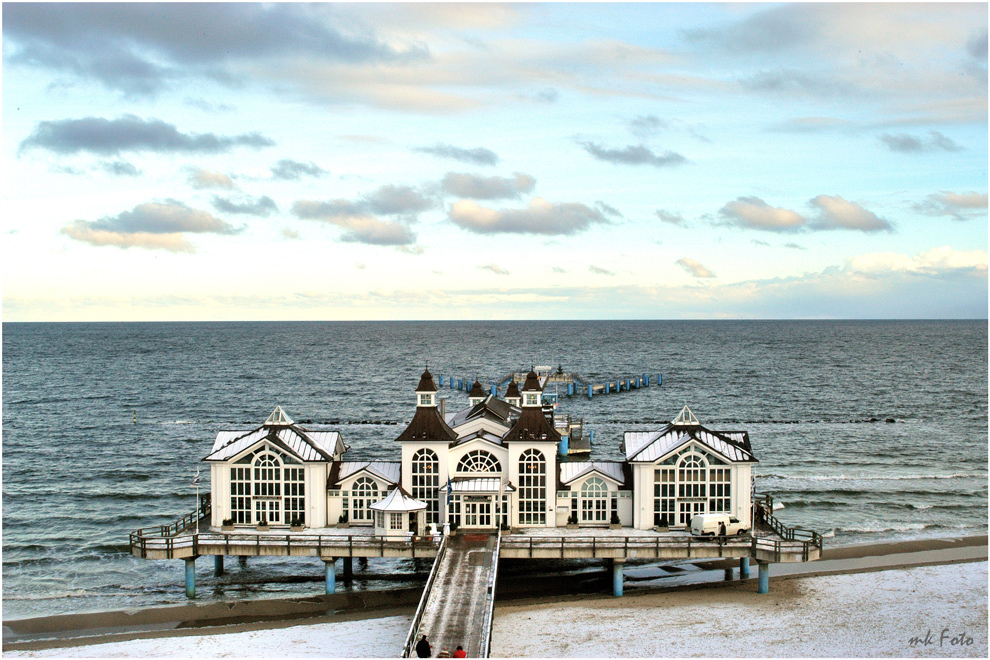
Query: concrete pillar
[
  {"x": 659, "y": 379},
  {"x": 591, "y": 436},
  {"x": 440, "y": 384},
  {"x": 494, "y": 391},
  {"x": 728, "y": 575},
  {"x": 348, "y": 568},
  {"x": 452, "y": 382},
  {"x": 646, "y": 379},
  {"x": 190, "y": 577},
  {"x": 564, "y": 445},
  {"x": 617, "y": 565},
  {"x": 607, "y": 386},
  {"x": 331, "y": 577},
  {"x": 764, "y": 578},
  {"x": 218, "y": 565},
  {"x": 570, "y": 389},
  {"x": 590, "y": 392},
  {"x": 744, "y": 568}
]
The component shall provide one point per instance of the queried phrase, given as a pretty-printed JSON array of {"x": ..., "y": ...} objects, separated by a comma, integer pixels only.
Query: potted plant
[
  {"x": 572, "y": 522},
  {"x": 263, "y": 524},
  {"x": 342, "y": 521},
  {"x": 505, "y": 528},
  {"x": 227, "y": 525},
  {"x": 296, "y": 525},
  {"x": 662, "y": 525},
  {"x": 613, "y": 522},
  {"x": 453, "y": 528}
]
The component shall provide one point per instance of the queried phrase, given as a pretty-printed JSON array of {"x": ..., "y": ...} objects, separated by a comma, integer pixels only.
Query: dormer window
[
  {"x": 532, "y": 400},
  {"x": 426, "y": 399}
]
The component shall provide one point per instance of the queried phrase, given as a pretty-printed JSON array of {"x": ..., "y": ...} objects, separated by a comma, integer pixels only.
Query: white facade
[{"x": 490, "y": 465}]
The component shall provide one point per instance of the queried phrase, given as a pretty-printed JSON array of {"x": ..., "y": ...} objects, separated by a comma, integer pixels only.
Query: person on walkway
[
  {"x": 460, "y": 652},
  {"x": 423, "y": 649},
  {"x": 721, "y": 529},
  {"x": 444, "y": 653}
]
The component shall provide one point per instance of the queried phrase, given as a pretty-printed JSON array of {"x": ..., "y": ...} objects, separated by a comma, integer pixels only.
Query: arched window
[
  {"x": 268, "y": 488},
  {"x": 267, "y": 485},
  {"x": 426, "y": 482},
  {"x": 364, "y": 493},
  {"x": 532, "y": 488},
  {"x": 479, "y": 461},
  {"x": 594, "y": 501},
  {"x": 692, "y": 487}
]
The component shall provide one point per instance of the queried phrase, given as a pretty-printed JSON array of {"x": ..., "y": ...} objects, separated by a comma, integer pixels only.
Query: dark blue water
[{"x": 79, "y": 473}]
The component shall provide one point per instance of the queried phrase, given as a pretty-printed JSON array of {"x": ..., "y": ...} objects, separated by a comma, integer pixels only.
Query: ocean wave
[{"x": 845, "y": 477}]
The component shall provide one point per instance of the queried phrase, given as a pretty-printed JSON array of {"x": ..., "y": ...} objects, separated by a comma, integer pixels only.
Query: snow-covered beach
[{"x": 920, "y": 611}]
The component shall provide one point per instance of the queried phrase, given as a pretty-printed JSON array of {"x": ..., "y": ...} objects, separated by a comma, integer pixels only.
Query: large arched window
[
  {"x": 364, "y": 493},
  {"x": 532, "y": 488},
  {"x": 479, "y": 461},
  {"x": 594, "y": 501},
  {"x": 692, "y": 487},
  {"x": 267, "y": 485},
  {"x": 426, "y": 482}
]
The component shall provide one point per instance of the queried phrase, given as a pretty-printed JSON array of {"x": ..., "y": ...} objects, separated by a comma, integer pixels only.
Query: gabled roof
[
  {"x": 427, "y": 425},
  {"x": 532, "y": 426},
  {"x": 398, "y": 501},
  {"x": 491, "y": 408},
  {"x": 651, "y": 446},
  {"x": 481, "y": 434},
  {"x": 388, "y": 471},
  {"x": 281, "y": 431},
  {"x": 571, "y": 471}
]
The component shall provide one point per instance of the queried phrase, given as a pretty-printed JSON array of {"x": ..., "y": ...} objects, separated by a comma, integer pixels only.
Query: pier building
[{"x": 472, "y": 486}]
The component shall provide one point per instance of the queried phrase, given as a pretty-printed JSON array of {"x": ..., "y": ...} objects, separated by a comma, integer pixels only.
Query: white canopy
[{"x": 397, "y": 501}]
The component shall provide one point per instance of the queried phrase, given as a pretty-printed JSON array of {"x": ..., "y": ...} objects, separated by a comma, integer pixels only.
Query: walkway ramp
[{"x": 459, "y": 601}]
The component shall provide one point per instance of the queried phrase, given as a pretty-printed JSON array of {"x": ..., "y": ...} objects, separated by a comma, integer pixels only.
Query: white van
[{"x": 707, "y": 524}]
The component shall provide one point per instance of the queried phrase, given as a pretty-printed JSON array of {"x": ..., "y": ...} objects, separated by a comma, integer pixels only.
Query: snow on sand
[{"x": 865, "y": 614}]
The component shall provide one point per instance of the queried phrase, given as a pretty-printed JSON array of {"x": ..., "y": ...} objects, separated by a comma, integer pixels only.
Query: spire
[
  {"x": 512, "y": 395},
  {"x": 686, "y": 418},
  {"x": 426, "y": 383},
  {"x": 532, "y": 391},
  {"x": 477, "y": 393}
]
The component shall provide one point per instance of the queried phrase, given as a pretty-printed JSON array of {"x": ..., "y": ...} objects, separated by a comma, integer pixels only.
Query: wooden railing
[
  {"x": 182, "y": 524},
  {"x": 764, "y": 514},
  {"x": 418, "y": 618},
  {"x": 486, "y": 643}
]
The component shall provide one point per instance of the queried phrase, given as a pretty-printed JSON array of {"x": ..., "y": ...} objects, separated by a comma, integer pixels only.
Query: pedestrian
[
  {"x": 721, "y": 529},
  {"x": 444, "y": 653},
  {"x": 423, "y": 649},
  {"x": 460, "y": 653}
]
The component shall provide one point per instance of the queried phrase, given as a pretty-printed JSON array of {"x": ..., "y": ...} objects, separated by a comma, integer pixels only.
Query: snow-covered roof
[
  {"x": 479, "y": 485},
  {"x": 573, "y": 470},
  {"x": 281, "y": 431},
  {"x": 650, "y": 446},
  {"x": 398, "y": 501},
  {"x": 387, "y": 470}
]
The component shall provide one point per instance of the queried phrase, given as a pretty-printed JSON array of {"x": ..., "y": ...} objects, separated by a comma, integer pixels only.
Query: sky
[{"x": 187, "y": 162}]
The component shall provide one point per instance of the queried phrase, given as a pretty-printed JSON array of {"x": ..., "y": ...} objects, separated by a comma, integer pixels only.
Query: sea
[{"x": 866, "y": 431}]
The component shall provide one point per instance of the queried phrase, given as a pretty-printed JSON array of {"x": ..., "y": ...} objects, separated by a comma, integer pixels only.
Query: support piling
[
  {"x": 764, "y": 578},
  {"x": 331, "y": 575},
  {"x": 743, "y": 568},
  {"x": 190, "y": 577}
]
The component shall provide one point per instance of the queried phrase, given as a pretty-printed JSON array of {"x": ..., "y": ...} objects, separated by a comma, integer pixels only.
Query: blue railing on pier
[{"x": 575, "y": 384}]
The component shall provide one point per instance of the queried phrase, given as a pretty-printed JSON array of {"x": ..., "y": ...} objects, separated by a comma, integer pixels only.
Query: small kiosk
[{"x": 399, "y": 516}]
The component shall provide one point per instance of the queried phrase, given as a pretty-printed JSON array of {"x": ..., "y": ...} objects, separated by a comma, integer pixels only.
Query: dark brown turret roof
[
  {"x": 531, "y": 426},
  {"x": 426, "y": 383},
  {"x": 532, "y": 383},
  {"x": 476, "y": 390},
  {"x": 512, "y": 391},
  {"x": 427, "y": 425}
]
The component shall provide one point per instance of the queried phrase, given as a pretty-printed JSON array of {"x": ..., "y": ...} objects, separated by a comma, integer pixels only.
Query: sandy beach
[{"x": 894, "y": 609}]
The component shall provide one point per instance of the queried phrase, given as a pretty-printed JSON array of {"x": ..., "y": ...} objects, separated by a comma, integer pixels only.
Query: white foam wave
[{"x": 868, "y": 477}]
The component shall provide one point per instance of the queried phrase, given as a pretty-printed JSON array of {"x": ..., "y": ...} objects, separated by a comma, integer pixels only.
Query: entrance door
[
  {"x": 268, "y": 510},
  {"x": 477, "y": 511},
  {"x": 690, "y": 509}
]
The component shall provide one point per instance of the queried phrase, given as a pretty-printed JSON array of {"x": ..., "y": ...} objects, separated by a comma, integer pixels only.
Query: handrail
[
  {"x": 420, "y": 609},
  {"x": 489, "y": 616},
  {"x": 183, "y": 523},
  {"x": 170, "y": 544},
  {"x": 764, "y": 506}
]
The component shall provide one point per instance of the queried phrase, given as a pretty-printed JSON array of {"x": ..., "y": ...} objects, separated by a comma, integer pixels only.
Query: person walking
[
  {"x": 423, "y": 649},
  {"x": 460, "y": 652},
  {"x": 444, "y": 653}
]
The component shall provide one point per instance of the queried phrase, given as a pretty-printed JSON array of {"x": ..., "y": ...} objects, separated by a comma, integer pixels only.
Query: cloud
[
  {"x": 670, "y": 218},
  {"x": 754, "y": 213},
  {"x": 498, "y": 270},
  {"x": 597, "y": 270},
  {"x": 834, "y": 212},
  {"x": 478, "y": 187},
  {"x": 477, "y": 156},
  {"x": 608, "y": 210},
  {"x": 140, "y": 48},
  {"x": 959, "y": 206},
  {"x": 646, "y": 126},
  {"x": 120, "y": 168},
  {"x": 109, "y": 137},
  {"x": 203, "y": 179},
  {"x": 794, "y": 246},
  {"x": 152, "y": 225},
  {"x": 694, "y": 268},
  {"x": 558, "y": 269},
  {"x": 837, "y": 213},
  {"x": 359, "y": 219},
  {"x": 539, "y": 217},
  {"x": 291, "y": 170},
  {"x": 633, "y": 155},
  {"x": 290, "y": 234},
  {"x": 908, "y": 144},
  {"x": 258, "y": 206}
]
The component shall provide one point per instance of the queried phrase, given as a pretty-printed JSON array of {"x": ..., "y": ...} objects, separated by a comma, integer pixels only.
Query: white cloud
[
  {"x": 838, "y": 213},
  {"x": 694, "y": 268},
  {"x": 754, "y": 213},
  {"x": 539, "y": 217}
]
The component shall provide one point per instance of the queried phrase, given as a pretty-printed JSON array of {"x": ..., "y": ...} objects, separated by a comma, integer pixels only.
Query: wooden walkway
[{"x": 459, "y": 603}]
